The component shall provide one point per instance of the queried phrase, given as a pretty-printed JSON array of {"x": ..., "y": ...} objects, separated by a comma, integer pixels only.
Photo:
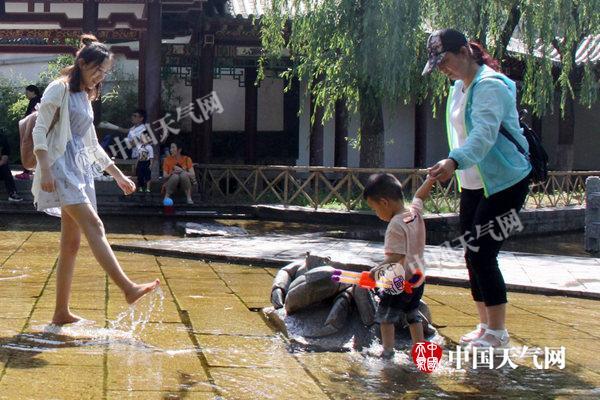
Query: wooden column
[
  {"x": 341, "y": 134},
  {"x": 152, "y": 68},
  {"x": 142, "y": 71},
  {"x": 202, "y": 86},
  {"x": 291, "y": 121},
  {"x": 2, "y": 7},
  {"x": 90, "y": 17},
  {"x": 90, "y": 25},
  {"x": 316, "y": 135},
  {"x": 251, "y": 113}
]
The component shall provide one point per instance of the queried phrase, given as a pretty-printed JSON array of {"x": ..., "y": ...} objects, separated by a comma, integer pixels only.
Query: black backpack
[{"x": 537, "y": 156}]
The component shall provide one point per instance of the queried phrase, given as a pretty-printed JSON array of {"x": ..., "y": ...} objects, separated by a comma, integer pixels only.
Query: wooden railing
[{"x": 341, "y": 188}]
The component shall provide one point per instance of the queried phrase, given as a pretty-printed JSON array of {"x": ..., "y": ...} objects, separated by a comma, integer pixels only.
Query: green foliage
[
  {"x": 168, "y": 100},
  {"x": 13, "y": 104},
  {"x": 53, "y": 70},
  {"x": 121, "y": 98},
  {"x": 340, "y": 46},
  {"x": 17, "y": 110},
  {"x": 559, "y": 25}
]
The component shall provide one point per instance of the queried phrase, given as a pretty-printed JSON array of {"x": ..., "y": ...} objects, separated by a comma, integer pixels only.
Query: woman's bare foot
[
  {"x": 65, "y": 318},
  {"x": 137, "y": 291}
]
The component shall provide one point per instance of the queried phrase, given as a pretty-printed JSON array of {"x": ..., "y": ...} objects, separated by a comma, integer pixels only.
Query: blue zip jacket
[{"x": 491, "y": 101}]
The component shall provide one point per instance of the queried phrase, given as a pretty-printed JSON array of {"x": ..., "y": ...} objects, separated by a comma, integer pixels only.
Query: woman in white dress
[{"x": 68, "y": 155}]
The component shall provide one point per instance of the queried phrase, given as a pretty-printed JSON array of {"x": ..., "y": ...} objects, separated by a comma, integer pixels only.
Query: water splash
[{"x": 134, "y": 319}]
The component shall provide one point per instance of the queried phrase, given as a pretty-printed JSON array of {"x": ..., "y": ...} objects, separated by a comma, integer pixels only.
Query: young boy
[
  {"x": 404, "y": 244},
  {"x": 142, "y": 167}
]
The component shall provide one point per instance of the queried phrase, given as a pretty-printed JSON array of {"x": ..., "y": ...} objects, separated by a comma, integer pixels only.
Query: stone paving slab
[{"x": 532, "y": 273}]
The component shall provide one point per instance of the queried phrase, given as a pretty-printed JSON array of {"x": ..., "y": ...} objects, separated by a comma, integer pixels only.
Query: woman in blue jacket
[{"x": 493, "y": 176}]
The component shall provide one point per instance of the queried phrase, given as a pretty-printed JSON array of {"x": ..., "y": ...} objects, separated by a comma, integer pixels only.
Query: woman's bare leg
[
  {"x": 93, "y": 228},
  {"x": 70, "y": 238}
]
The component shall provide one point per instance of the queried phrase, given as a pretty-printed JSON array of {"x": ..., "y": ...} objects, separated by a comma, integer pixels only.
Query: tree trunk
[
  {"x": 420, "y": 151},
  {"x": 341, "y": 134},
  {"x": 566, "y": 137},
  {"x": 371, "y": 129},
  {"x": 316, "y": 135},
  {"x": 509, "y": 28}
]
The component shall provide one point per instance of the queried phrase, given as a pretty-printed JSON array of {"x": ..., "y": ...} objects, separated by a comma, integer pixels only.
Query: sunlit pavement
[{"x": 205, "y": 338}]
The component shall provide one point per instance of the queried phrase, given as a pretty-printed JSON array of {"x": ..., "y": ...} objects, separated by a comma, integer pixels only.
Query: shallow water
[{"x": 200, "y": 336}]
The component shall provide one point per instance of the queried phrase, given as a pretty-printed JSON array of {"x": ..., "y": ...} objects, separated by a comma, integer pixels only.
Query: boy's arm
[{"x": 424, "y": 190}]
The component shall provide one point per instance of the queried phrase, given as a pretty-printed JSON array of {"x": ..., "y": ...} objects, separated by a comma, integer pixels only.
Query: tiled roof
[
  {"x": 587, "y": 52},
  {"x": 247, "y": 8}
]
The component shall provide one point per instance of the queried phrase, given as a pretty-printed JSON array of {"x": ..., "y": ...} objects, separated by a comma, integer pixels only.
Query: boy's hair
[
  {"x": 33, "y": 89},
  {"x": 142, "y": 113},
  {"x": 383, "y": 186}
]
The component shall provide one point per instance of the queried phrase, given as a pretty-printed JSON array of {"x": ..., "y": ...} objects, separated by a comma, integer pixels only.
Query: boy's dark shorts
[{"x": 393, "y": 307}]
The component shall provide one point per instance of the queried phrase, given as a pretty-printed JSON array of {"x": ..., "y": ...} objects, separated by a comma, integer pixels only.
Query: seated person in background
[
  {"x": 143, "y": 163},
  {"x": 134, "y": 134},
  {"x": 5, "y": 173},
  {"x": 178, "y": 171}
]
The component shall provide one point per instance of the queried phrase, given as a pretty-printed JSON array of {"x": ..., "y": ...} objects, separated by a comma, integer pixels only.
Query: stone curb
[{"x": 278, "y": 263}]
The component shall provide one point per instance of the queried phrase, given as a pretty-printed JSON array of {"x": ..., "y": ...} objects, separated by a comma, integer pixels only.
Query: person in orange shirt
[{"x": 178, "y": 172}]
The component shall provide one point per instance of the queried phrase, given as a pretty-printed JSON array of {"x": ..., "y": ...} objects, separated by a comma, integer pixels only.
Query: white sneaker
[{"x": 474, "y": 335}]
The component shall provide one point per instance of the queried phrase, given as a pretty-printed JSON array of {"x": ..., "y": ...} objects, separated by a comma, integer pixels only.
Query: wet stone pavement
[
  {"x": 202, "y": 337},
  {"x": 528, "y": 272}
]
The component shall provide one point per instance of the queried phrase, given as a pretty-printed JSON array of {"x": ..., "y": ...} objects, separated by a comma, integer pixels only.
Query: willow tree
[
  {"x": 551, "y": 32},
  {"x": 367, "y": 52},
  {"x": 362, "y": 52}
]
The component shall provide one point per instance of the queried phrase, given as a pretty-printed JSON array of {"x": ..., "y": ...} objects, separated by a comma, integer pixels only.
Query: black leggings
[
  {"x": 7, "y": 177},
  {"x": 484, "y": 234}
]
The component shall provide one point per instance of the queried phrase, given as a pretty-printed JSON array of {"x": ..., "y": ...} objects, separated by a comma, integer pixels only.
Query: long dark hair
[
  {"x": 481, "y": 56},
  {"x": 90, "y": 51}
]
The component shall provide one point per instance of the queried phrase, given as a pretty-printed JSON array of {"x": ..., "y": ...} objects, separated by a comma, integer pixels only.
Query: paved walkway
[
  {"x": 206, "y": 340},
  {"x": 534, "y": 273}
]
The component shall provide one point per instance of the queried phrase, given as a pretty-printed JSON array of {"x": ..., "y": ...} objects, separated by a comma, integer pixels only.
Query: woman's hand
[
  {"x": 443, "y": 170},
  {"x": 47, "y": 180},
  {"x": 177, "y": 169},
  {"x": 126, "y": 184}
]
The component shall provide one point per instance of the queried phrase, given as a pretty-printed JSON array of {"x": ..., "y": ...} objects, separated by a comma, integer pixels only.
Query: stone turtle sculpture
[{"x": 307, "y": 301}]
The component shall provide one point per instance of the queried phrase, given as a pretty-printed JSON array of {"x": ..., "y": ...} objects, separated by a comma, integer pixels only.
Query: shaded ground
[{"x": 205, "y": 339}]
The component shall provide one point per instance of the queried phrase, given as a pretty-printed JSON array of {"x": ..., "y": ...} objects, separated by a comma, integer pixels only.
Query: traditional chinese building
[{"x": 213, "y": 46}]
